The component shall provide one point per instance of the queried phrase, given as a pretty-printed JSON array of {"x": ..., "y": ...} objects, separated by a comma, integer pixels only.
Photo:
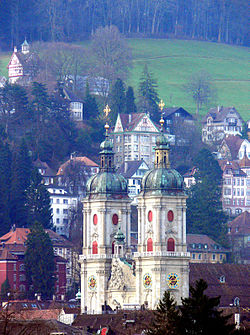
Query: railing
[{"x": 162, "y": 253}]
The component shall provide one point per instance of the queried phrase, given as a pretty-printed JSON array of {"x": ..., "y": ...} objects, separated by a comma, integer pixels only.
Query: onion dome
[
  {"x": 107, "y": 183},
  {"x": 162, "y": 179},
  {"x": 119, "y": 237}
]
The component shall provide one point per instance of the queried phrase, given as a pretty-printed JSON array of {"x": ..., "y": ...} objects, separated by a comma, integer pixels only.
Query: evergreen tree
[
  {"x": 40, "y": 262},
  {"x": 117, "y": 99},
  {"x": 204, "y": 207},
  {"x": 5, "y": 184},
  {"x": 21, "y": 173},
  {"x": 148, "y": 96},
  {"x": 130, "y": 101},
  {"x": 38, "y": 201},
  {"x": 90, "y": 105},
  {"x": 5, "y": 288},
  {"x": 166, "y": 318},
  {"x": 200, "y": 314}
]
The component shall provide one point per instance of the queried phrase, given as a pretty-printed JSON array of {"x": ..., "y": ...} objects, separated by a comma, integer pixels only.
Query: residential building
[
  {"x": 63, "y": 205},
  {"x": 12, "y": 267},
  {"x": 239, "y": 236},
  {"x": 219, "y": 122},
  {"x": 189, "y": 178},
  {"x": 74, "y": 173},
  {"x": 178, "y": 122},
  {"x": 134, "y": 137},
  {"x": 133, "y": 171},
  {"x": 233, "y": 148},
  {"x": 23, "y": 65},
  {"x": 236, "y": 186},
  {"x": 75, "y": 105},
  {"x": 205, "y": 250},
  {"x": 48, "y": 175}
]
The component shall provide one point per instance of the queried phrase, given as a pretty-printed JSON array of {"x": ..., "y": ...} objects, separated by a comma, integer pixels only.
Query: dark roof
[
  {"x": 233, "y": 143},
  {"x": 220, "y": 113},
  {"x": 120, "y": 323},
  {"x": 231, "y": 165},
  {"x": 43, "y": 165},
  {"x": 130, "y": 121},
  {"x": 236, "y": 281},
  {"x": 70, "y": 95},
  {"x": 128, "y": 168},
  {"x": 203, "y": 243},
  {"x": 169, "y": 111},
  {"x": 58, "y": 240},
  {"x": 242, "y": 223},
  {"x": 26, "y": 60},
  {"x": 191, "y": 172},
  {"x": 245, "y": 161}
]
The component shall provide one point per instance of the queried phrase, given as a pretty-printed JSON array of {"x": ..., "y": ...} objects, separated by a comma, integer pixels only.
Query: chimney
[
  {"x": 15, "y": 49},
  {"x": 62, "y": 297},
  {"x": 54, "y": 297},
  {"x": 129, "y": 118},
  {"x": 218, "y": 109}
]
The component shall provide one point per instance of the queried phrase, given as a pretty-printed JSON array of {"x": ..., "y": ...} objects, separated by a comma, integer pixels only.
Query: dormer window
[{"x": 205, "y": 246}]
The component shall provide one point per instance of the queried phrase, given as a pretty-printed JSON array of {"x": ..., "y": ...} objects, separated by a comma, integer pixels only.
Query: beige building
[
  {"x": 110, "y": 274},
  {"x": 134, "y": 138}
]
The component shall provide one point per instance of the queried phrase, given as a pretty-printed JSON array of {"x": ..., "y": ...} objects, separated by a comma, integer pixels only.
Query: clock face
[
  {"x": 173, "y": 280},
  {"x": 92, "y": 283},
  {"x": 147, "y": 280}
]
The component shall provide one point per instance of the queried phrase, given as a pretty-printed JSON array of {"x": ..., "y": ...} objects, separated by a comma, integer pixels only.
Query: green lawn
[{"x": 172, "y": 62}]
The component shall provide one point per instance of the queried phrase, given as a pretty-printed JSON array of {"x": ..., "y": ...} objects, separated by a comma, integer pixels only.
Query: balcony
[{"x": 162, "y": 253}]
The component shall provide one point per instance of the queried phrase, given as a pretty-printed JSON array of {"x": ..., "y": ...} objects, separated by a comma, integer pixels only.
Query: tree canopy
[
  {"x": 40, "y": 262},
  {"x": 204, "y": 207}
]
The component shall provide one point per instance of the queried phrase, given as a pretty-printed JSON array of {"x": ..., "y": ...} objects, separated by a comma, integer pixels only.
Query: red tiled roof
[
  {"x": 45, "y": 314},
  {"x": 233, "y": 143},
  {"x": 84, "y": 161},
  {"x": 18, "y": 236},
  {"x": 236, "y": 281},
  {"x": 245, "y": 161},
  {"x": 200, "y": 239},
  {"x": 242, "y": 223}
]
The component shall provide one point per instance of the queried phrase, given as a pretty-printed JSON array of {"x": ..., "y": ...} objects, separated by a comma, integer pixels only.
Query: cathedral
[{"x": 111, "y": 275}]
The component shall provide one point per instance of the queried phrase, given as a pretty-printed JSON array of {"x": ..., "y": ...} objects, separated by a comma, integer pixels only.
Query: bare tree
[
  {"x": 201, "y": 88},
  {"x": 110, "y": 54}
]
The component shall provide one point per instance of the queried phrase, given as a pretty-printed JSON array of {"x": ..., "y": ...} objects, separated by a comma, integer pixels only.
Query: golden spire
[
  {"x": 161, "y": 106},
  {"x": 106, "y": 111}
]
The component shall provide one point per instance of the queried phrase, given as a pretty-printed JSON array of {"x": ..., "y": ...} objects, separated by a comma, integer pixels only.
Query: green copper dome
[
  {"x": 119, "y": 236},
  {"x": 107, "y": 184},
  {"x": 106, "y": 147},
  {"x": 162, "y": 180},
  {"x": 161, "y": 141}
]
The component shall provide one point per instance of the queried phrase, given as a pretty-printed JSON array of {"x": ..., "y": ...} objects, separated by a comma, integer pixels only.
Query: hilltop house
[
  {"x": 48, "y": 175},
  {"x": 219, "y": 122},
  {"x": 134, "y": 138},
  {"x": 23, "y": 65}
]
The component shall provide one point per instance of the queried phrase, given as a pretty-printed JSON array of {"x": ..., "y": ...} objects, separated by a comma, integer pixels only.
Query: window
[
  {"x": 14, "y": 277},
  {"x": 150, "y": 216},
  {"x": 65, "y": 201},
  {"x": 115, "y": 219},
  {"x": 94, "y": 248},
  {"x": 149, "y": 245},
  {"x": 242, "y": 182},
  {"x": 229, "y": 229},
  {"x": 170, "y": 244},
  {"x": 22, "y": 288},
  {"x": 199, "y": 256},
  {"x": 58, "y": 201},
  {"x": 22, "y": 277},
  {"x": 21, "y": 268},
  {"x": 221, "y": 257},
  {"x": 57, "y": 211},
  {"x": 213, "y": 257},
  {"x": 95, "y": 219},
  {"x": 193, "y": 256},
  {"x": 57, "y": 221},
  {"x": 65, "y": 221},
  {"x": 222, "y": 279},
  {"x": 65, "y": 211},
  {"x": 242, "y": 192},
  {"x": 14, "y": 267}
]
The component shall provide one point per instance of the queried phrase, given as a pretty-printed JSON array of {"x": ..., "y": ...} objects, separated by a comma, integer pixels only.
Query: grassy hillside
[{"x": 172, "y": 62}]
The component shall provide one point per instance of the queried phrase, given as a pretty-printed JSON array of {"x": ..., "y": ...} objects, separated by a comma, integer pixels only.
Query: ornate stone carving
[{"x": 117, "y": 277}]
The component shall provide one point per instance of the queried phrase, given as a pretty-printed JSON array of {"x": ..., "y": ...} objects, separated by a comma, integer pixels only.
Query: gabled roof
[
  {"x": 220, "y": 113},
  {"x": 231, "y": 165},
  {"x": 128, "y": 168},
  {"x": 58, "y": 240},
  {"x": 233, "y": 143},
  {"x": 25, "y": 59},
  {"x": 15, "y": 236},
  {"x": 245, "y": 161},
  {"x": 130, "y": 121},
  {"x": 191, "y": 172},
  {"x": 84, "y": 161},
  {"x": 71, "y": 96},
  {"x": 43, "y": 165},
  {"x": 242, "y": 223},
  {"x": 169, "y": 111},
  {"x": 203, "y": 243},
  {"x": 236, "y": 281}
]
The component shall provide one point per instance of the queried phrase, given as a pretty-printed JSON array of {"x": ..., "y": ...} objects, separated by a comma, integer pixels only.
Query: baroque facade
[{"x": 111, "y": 275}]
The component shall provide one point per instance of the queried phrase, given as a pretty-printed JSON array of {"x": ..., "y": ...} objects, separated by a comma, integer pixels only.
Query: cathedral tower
[
  {"x": 105, "y": 208},
  {"x": 162, "y": 261}
]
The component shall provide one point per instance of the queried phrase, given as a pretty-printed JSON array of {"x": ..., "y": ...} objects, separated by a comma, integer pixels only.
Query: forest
[{"x": 74, "y": 20}]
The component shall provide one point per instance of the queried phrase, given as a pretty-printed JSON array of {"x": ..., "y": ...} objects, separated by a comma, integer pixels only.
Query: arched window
[
  {"x": 94, "y": 248},
  {"x": 150, "y": 216},
  {"x": 170, "y": 245},
  {"x": 95, "y": 219},
  {"x": 150, "y": 244},
  {"x": 170, "y": 216},
  {"x": 115, "y": 219},
  {"x": 113, "y": 247}
]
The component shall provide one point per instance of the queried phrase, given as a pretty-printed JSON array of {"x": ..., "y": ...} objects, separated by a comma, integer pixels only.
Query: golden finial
[
  {"x": 161, "y": 105},
  {"x": 106, "y": 111}
]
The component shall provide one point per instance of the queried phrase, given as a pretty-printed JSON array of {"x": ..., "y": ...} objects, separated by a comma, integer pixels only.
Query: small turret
[
  {"x": 25, "y": 47},
  {"x": 119, "y": 243}
]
